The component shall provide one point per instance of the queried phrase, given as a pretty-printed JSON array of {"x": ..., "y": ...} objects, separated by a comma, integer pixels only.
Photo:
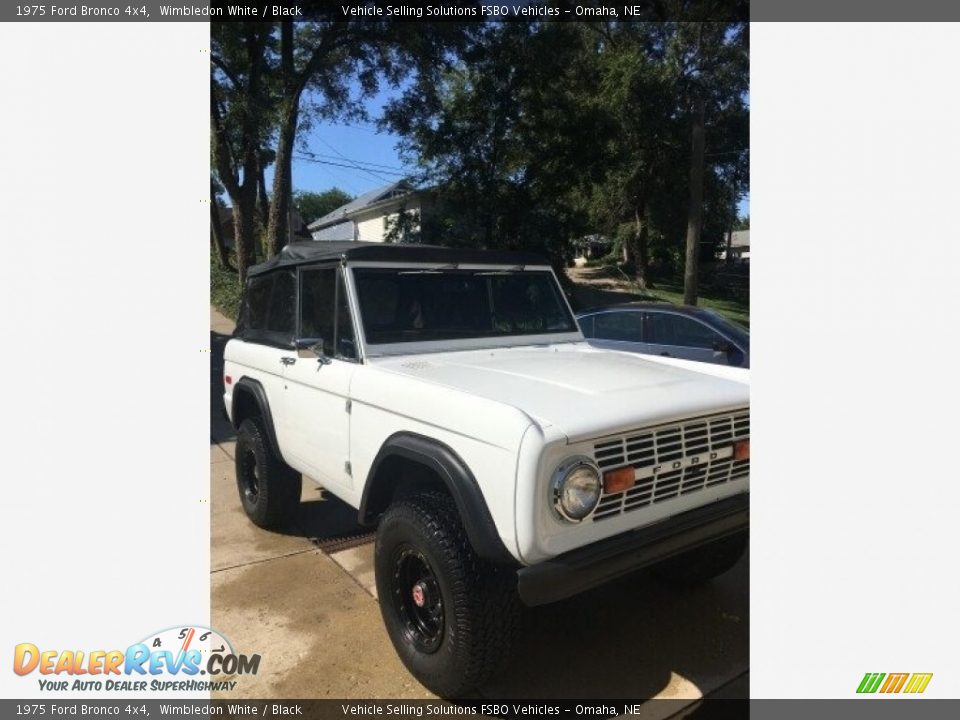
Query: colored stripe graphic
[
  {"x": 894, "y": 682},
  {"x": 870, "y": 682},
  {"x": 918, "y": 682}
]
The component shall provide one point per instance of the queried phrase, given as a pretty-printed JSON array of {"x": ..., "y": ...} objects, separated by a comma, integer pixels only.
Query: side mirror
[
  {"x": 312, "y": 348},
  {"x": 722, "y": 346}
]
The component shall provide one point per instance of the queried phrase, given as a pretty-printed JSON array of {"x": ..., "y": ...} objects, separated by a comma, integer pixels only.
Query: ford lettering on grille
[{"x": 673, "y": 460}]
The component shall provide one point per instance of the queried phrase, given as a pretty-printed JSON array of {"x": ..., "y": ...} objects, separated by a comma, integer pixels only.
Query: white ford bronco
[{"x": 449, "y": 395}]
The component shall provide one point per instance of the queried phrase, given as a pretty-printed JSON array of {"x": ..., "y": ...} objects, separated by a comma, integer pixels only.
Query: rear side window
[
  {"x": 258, "y": 302},
  {"x": 669, "y": 329},
  {"x": 283, "y": 301},
  {"x": 267, "y": 314},
  {"x": 623, "y": 326}
]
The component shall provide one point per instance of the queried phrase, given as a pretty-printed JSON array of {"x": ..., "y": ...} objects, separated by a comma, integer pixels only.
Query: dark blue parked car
[{"x": 680, "y": 331}]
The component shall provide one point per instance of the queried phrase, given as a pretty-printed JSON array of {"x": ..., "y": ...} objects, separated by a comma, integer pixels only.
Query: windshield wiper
[{"x": 430, "y": 271}]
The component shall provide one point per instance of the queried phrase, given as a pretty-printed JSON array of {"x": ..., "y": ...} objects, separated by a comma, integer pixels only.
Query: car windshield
[
  {"x": 732, "y": 328},
  {"x": 413, "y": 305}
]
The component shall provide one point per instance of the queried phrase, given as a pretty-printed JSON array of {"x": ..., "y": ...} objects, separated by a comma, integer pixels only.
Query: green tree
[
  {"x": 493, "y": 139},
  {"x": 547, "y": 130},
  {"x": 314, "y": 205},
  {"x": 270, "y": 81},
  {"x": 711, "y": 64},
  {"x": 239, "y": 90},
  {"x": 639, "y": 155},
  {"x": 321, "y": 61}
]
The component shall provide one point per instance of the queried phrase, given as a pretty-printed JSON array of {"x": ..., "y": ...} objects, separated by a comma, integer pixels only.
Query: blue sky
[{"x": 371, "y": 157}]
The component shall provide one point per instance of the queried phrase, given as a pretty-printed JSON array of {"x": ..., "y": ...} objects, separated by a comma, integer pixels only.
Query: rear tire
[
  {"x": 451, "y": 616},
  {"x": 269, "y": 489},
  {"x": 703, "y": 563}
]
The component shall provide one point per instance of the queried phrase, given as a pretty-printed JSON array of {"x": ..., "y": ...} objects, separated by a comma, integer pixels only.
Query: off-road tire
[
  {"x": 277, "y": 492},
  {"x": 480, "y": 605},
  {"x": 703, "y": 563}
]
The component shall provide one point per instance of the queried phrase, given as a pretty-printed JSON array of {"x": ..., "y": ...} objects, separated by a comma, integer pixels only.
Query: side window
[
  {"x": 346, "y": 342},
  {"x": 258, "y": 302},
  {"x": 317, "y": 295},
  {"x": 283, "y": 300},
  {"x": 624, "y": 326},
  {"x": 268, "y": 309},
  {"x": 669, "y": 329}
]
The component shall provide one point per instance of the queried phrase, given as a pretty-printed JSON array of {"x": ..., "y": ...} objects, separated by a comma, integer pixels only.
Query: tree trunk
[
  {"x": 278, "y": 229},
  {"x": 244, "y": 213},
  {"x": 230, "y": 169},
  {"x": 216, "y": 232},
  {"x": 695, "y": 210},
  {"x": 278, "y": 226},
  {"x": 263, "y": 202},
  {"x": 640, "y": 239},
  {"x": 244, "y": 235}
]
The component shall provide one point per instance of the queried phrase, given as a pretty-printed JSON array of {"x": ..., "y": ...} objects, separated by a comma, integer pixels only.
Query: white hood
[{"x": 583, "y": 391}]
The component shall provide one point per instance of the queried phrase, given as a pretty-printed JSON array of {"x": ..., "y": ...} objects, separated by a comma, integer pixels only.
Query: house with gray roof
[
  {"x": 393, "y": 209},
  {"x": 738, "y": 245}
]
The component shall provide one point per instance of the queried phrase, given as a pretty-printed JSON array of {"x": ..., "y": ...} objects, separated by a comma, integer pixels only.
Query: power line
[
  {"x": 351, "y": 167},
  {"x": 374, "y": 166},
  {"x": 364, "y": 128},
  {"x": 344, "y": 157}
]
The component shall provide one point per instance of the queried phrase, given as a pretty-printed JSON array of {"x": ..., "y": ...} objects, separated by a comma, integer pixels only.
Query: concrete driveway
[{"x": 304, "y": 598}]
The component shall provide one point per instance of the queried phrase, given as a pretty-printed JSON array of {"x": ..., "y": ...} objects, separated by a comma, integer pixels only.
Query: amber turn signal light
[
  {"x": 741, "y": 450},
  {"x": 618, "y": 480}
]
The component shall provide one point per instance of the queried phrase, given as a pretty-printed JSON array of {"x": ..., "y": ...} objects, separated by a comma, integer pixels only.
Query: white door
[{"x": 317, "y": 389}]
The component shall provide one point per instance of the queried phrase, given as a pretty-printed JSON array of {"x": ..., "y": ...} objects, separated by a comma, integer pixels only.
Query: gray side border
[{"x": 853, "y": 11}]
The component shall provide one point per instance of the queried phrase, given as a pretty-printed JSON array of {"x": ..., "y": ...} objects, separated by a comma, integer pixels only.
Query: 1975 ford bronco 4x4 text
[{"x": 449, "y": 396}]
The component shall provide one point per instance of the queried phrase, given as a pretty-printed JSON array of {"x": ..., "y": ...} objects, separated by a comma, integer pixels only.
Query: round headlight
[{"x": 576, "y": 488}]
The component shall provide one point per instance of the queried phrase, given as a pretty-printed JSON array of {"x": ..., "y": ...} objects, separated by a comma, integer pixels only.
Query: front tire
[
  {"x": 702, "y": 564},
  {"x": 269, "y": 489},
  {"x": 451, "y": 617}
]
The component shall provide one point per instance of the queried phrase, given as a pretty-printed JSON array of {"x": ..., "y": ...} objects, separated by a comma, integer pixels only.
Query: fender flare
[
  {"x": 255, "y": 389},
  {"x": 459, "y": 482}
]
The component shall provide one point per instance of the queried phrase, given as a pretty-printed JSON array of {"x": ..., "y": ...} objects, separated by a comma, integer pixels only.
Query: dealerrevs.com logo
[
  {"x": 888, "y": 684},
  {"x": 182, "y": 659}
]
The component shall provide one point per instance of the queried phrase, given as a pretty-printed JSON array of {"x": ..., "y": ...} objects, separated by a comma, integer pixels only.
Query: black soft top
[{"x": 300, "y": 253}]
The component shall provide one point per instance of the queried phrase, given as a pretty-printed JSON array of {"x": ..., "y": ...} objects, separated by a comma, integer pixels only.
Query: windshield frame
[{"x": 373, "y": 350}]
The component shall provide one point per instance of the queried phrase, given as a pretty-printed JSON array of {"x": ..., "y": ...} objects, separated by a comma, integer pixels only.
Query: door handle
[{"x": 288, "y": 360}]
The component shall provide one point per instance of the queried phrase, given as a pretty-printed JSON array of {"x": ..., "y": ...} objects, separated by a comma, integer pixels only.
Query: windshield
[
  {"x": 413, "y": 305},
  {"x": 737, "y": 331}
]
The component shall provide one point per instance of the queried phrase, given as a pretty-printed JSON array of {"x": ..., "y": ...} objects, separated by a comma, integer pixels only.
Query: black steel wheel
[
  {"x": 269, "y": 489},
  {"x": 451, "y": 616},
  {"x": 419, "y": 600},
  {"x": 248, "y": 475}
]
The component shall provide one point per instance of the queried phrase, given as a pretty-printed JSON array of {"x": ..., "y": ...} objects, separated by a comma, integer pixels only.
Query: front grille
[{"x": 664, "y": 445}]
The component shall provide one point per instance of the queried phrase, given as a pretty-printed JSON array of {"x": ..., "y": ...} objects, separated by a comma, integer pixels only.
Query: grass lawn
[{"x": 731, "y": 309}]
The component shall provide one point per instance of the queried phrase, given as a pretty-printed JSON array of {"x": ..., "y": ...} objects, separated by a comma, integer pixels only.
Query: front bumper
[{"x": 584, "y": 568}]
